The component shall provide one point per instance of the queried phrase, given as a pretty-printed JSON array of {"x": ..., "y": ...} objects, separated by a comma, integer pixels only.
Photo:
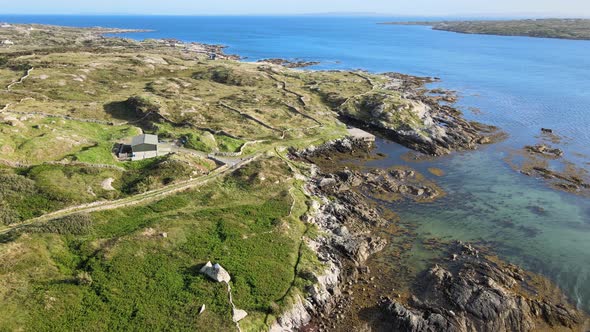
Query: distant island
[{"x": 541, "y": 28}]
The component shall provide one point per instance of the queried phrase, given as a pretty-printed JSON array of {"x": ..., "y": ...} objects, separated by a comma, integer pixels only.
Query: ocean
[{"x": 519, "y": 84}]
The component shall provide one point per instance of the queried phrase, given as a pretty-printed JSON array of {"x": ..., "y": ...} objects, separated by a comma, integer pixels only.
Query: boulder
[
  {"x": 215, "y": 272},
  {"x": 239, "y": 314}
]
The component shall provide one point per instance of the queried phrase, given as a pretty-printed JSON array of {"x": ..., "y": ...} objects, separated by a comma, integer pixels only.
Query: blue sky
[{"x": 577, "y": 8}]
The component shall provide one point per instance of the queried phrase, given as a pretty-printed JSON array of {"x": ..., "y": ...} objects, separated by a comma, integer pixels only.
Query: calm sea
[{"x": 519, "y": 84}]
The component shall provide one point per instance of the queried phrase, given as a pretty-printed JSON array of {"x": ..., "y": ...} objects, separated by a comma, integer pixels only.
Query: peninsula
[
  {"x": 540, "y": 28},
  {"x": 238, "y": 226}
]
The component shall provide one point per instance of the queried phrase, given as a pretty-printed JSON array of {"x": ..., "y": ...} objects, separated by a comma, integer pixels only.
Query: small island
[{"x": 578, "y": 29}]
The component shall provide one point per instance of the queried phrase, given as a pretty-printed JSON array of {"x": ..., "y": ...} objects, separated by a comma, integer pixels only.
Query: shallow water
[
  {"x": 520, "y": 84},
  {"x": 488, "y": 203}
]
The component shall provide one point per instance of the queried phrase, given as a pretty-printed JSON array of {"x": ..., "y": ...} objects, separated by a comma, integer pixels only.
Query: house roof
[{"x": 144, "y": 139}]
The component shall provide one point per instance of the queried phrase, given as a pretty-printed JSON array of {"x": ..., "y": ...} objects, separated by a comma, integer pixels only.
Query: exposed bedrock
[{"x": 476, "y": 293}]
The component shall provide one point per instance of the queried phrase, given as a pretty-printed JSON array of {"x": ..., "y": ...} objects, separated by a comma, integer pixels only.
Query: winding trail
[
  {"x": 250, "y": 117},
  {"x": 368, "y": 80},
  {"x": 21, "y": 79},
  {"x": 297, "y": 111}
]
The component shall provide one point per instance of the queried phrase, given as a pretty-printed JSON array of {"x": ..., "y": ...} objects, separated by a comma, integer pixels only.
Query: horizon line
[{"x": 358, "y": 14}]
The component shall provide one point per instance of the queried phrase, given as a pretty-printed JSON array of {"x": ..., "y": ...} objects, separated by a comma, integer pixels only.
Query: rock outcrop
[
  {"x": 475, "y": 293},
  {"x": 290, "y": 63},
  {"x": 417, "y": 117},
  {"x": 297, "y": 316}
]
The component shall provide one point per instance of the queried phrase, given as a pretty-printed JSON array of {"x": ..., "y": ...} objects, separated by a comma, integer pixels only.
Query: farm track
[{"x": 146, "y": 197}]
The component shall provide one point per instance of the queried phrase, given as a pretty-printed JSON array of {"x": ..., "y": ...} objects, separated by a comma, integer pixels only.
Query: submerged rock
[
  {"x": 475, "y": 293},
  {"x": 544, "y": 150}
]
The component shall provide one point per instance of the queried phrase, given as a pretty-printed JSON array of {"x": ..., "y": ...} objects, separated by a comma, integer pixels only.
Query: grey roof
[{"x": 144, "y": 139}]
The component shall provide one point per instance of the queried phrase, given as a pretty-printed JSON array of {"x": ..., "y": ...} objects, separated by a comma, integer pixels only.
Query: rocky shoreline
[
  {"x": 346, "y": 219},
  {"x": 430, "y": 126},
  {"x": 290, "y": 63},
  {"x": 474, "y": 292},
  {"x": 496, "y": 296}
]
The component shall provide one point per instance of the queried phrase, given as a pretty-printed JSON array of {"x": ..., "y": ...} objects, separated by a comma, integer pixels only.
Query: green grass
[
  {"x": 199, "y": 140},
  {"x": 74, "y": 184},
  {"x": 36, "y": 140},
  {"x": 31, "y": 192},
  {"x": 115, "y": 274}
]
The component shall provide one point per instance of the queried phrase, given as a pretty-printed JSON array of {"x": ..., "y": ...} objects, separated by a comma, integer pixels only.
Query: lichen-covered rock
[{"x": 215, "y": 272}]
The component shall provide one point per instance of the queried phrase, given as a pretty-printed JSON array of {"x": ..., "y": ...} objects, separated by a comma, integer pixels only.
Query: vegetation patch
[{"x": 115, "y": 269}]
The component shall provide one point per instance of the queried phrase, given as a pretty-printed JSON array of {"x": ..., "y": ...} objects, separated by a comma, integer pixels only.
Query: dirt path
[{"x": 134, "y": 200}]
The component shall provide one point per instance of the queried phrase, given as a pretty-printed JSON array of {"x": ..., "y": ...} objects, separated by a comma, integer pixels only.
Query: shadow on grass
[
  {"x": 120, "y": 110},
  {"x": 9, "y": 236}
]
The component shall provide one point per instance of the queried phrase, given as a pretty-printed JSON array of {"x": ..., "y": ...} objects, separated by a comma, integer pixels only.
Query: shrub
[
  {"x": 197, "y": 142},
  {"x": 8, "y": 216},
  {"x": 84, "y": 279},
  {"x": 16, "y": 183},
  {"x": 156, "y": 174},
  {"x": 225, "y": 75},
  {"x": 75, "y": 224}
]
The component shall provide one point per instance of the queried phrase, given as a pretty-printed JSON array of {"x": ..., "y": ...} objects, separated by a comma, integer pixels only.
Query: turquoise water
[{"x": 520, "y": 84}]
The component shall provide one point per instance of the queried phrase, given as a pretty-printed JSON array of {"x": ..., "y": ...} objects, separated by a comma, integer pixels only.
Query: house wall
[{"x": 140, "y": 155}]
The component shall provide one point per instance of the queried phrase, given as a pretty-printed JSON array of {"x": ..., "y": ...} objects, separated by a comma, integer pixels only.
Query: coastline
[
  {"x": 570, "y": 29},
  {"x": 370, "y": 245},
  {"x": 348, "y": 281}
]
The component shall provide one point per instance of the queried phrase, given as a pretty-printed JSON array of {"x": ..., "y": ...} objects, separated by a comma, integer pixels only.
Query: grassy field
[
  {"x": 69, "y": 95},
  {"x": 33, "y": 139},
  {"x": 114, "y": 270},
  {"x": 30, "y": 192}
]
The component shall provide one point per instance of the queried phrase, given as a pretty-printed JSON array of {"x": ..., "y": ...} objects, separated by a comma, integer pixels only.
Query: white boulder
[
  {"x": 215, "y": 272},
  {"x": 239, "y": 314}
]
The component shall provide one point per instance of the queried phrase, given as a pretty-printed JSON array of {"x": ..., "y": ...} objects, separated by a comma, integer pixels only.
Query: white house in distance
[{"x": 147, "y": 146}]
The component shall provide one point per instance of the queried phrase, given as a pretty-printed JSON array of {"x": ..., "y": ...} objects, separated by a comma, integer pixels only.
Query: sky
[{"x": 506, "y": 8}]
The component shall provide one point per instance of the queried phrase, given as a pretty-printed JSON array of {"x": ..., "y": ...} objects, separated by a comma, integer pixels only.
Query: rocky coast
[
  {"x": 468, "y": 289},
  {"x": 424, "y": 120},
  {"x": 549, "y": 163},
  {"x": 323, "y": 217}
]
